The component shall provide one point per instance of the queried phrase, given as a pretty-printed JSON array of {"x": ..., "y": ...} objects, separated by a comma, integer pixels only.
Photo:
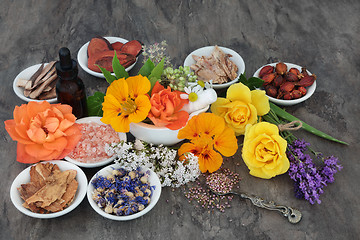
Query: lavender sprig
[{"x": 310, "y": 179}]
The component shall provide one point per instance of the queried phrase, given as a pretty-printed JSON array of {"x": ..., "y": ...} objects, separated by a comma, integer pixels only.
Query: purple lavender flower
[{"x": 310, "y": 179}]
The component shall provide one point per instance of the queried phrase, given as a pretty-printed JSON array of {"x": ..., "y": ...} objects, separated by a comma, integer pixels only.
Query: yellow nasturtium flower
[
  {"x": 209, "y": 139},
  {"x": 241, "y": 107},
  {"x": 264, "y": 150},
  {"x": 126, "y": 102}
]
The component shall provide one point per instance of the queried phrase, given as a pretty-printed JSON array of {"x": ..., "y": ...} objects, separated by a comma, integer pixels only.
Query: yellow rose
[
  {"x": 241, "y": 107},
  {"x": 264, "y": 150}
]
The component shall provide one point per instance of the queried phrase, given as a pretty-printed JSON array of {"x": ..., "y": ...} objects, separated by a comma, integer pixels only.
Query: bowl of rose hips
[{"x": 286, "y": 83}]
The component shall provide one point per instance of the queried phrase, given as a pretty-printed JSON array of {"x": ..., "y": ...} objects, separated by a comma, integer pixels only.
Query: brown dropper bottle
[{"x": 70, "y": 88}]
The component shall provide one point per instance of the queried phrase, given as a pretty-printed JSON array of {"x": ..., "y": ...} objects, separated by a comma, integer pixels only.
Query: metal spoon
[{"x": 293, "y": 215}]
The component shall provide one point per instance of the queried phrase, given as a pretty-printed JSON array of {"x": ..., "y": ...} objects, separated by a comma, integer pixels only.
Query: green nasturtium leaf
[
  {"x": 147, "y": 68},
  {"x": 252, "y": 83},
  {"x": 242, "y": 78},
  {"x": 156, "y": 73},
  {"x": 119, "y": 70},
  {"x": 94, "y": 104},
  {"x": 109, "y": 78}
]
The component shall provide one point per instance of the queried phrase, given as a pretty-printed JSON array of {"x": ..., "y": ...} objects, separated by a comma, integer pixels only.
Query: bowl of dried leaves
[{"x": 49, "y": 189}]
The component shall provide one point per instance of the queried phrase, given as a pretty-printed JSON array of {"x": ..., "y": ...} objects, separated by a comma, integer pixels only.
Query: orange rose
[
  {"x": 166, "y": 106},
  {"x": 43, "y": 131}
]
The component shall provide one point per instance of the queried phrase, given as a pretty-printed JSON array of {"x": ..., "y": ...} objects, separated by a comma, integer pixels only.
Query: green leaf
[
  {"x": 243, "y": 79},
  {"x": 146, "y": 69},
  {"x": 252, "y": 83},
  {"x": 109, "y": 78},
  {"x": 287, "y": 116},
  {"x": 119, "y": 70},
  {"x": 156, "y": 73},
  {"x": 94, "y": 104}
]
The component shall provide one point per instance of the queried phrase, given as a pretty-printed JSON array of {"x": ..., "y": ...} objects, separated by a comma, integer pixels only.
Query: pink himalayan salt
[{"x": 91, "y": 147}]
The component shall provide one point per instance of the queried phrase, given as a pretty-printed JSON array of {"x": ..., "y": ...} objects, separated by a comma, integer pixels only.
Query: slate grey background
[{"x": 321, "y": 35}]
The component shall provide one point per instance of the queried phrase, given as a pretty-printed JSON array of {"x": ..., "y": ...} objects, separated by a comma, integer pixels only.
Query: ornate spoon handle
[{"x": 293, "y": 215}]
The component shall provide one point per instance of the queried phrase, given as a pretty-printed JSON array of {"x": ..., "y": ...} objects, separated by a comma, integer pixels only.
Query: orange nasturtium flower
[
  {"x": 207, "y": 133},
  {"x": 126, "y": 101},
  {"x": 166, "y": 108},
  {"x": 43, "y": 131}
]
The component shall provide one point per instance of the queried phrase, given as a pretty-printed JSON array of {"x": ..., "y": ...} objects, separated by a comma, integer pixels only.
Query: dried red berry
[
  {"x": 268, "y": 78},
  {"x": 291, "y": 77},
  {"x": 304, "y": 72},
  {"x": 307, "y": 81},
  {"x": 281, "y": 68},
  {"x": 271, "y": 91},
  {"x": 296, "y": 72},
  {"x": 266, "y": 70},
  {"x": 302, "y": 90},
  {"x": 295, "y": 94},
  {"x": 287, "y": 87},
  {"x": 278, "y": 80},
  {"x": 287, "y": 96}
]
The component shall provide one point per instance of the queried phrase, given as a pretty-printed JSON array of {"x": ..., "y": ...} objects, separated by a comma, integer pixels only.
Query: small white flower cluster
[
  {"x": 156, "y": 52},
  {"x": 162, "y": 160}
]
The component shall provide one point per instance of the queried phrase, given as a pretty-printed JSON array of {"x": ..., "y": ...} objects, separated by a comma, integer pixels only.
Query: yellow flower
[
  {"x": 126, "y": 102},
  {"x": 207, "y": 133},
  {"x": 241, "y": 107},
  {"x": 264, "y": 150}
]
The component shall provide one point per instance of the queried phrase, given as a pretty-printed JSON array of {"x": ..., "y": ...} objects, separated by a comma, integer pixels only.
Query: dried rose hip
[
  {"x": 268, "y": 78},
  {"x": 291, "y": 77},
  {"x": 266, "y": 70},
  {"x": 307, "y": 81},
  {"x": 281, "y": 68}
]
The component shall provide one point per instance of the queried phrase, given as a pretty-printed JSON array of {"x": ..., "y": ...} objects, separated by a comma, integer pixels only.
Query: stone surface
[{"x": 324, "y": 36}]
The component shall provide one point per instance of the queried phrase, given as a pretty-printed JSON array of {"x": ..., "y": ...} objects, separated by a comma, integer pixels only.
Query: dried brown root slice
[{"x": 40, "y": 82}]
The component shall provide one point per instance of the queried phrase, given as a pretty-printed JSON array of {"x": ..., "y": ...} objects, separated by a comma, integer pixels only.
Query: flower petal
[
  {"x": 239, "y": 92},
  {"x": 118, "y": 89},
  {"x": 260, "y": 101},
  {"x": 190, "y": 131},
  {"x": 138, "y": 85},
  {"x": 33, "y": 108},
  {"x": 180, "y": 119},
  {"x": 226, "y": 142},
  {"x": 210, "y": 124},
  {"x": 219, "y": 106},
  {"x": 58, "y": 144},
  {"x": 23, "y": 157}
]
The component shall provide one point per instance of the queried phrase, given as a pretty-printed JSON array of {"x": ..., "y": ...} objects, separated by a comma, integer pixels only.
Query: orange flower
[
  {"x": 166, "y": 108},
  {"x": 126, "y": 102},
  {"x": 43, "y": 131},
  {"x": 207, "y": 133}
]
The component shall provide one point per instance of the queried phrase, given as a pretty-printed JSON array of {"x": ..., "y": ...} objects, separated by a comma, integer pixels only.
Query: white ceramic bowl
[
  {"x": 106, "y": 161},
  {"x": 82, "y": 57},
  {"x": 153, "y": 180},
  {"x": 158, "y": 135},
  {"x": 206, "y": 51},
  {"x": 24, "y": 177},
  {"x": 26, "y": 74},
  {"x": 310, "y": 89}
]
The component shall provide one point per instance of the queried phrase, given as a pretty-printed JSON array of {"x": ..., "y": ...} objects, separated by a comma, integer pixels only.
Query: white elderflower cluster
[{"x": 162, "y": 160}]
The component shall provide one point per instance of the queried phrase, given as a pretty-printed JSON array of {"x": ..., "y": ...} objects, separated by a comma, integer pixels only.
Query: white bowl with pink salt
[{"x": 90, "y": 150}]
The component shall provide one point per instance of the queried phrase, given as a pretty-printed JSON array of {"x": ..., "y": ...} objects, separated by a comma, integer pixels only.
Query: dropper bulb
[{"x": 65, "y": 58}]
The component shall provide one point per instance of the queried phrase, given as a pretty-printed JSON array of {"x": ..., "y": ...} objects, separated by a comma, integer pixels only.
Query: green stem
[{"x": 287, "y": 116}]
